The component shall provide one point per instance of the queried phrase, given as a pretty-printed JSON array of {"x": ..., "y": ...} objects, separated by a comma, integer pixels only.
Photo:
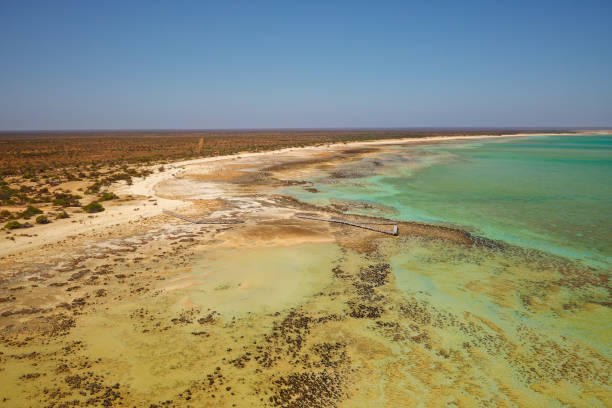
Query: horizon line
[{"x": 331, "y": 128}]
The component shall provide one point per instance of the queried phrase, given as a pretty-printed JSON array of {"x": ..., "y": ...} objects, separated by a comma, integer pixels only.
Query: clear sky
[{"x": 288, "y": 64}]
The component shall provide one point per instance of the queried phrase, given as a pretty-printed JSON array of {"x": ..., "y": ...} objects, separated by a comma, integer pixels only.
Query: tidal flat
[{"x": 496, "y": 292}]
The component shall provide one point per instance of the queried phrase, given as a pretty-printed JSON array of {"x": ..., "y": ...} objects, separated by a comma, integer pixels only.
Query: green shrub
[
  {"x": 94, "y": 188},
  {"x": 107, "y": 196},
  {"x": 42, "y": 219},
  {"x": 61, "y": 215},
  {"x": 30, "y": 211},
  {"x": 61, "y": 202},
  {"x": 13, "y": 225},
  {"x": 7, "y": 194},
  {"x": 93, "y": 207},
  {"x": 70, "y": 176},
  {"x": 66, "y": 200}
]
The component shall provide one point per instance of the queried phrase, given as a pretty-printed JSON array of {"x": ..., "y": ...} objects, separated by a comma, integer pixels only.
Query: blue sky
[{"x": 261, "y": 64}]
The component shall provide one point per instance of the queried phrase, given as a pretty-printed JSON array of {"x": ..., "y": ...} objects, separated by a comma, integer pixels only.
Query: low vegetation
[
  {"x": 93, "y": 207},
  {"x": 13, "y": 225},
  {"x": 66, "y": 199},
  {"x": 38, "y": 155},
  {"x": 62, "y": 215},
  {"x": 107, "y": 196},
  {"x": 30, "y": 212},
  {"x": 42, "y": 219}
]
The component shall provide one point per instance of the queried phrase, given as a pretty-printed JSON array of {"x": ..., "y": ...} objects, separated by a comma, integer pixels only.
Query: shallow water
[
  {"x": 551, "y": 193},
  {"x": 548, "y": 194},
  {"x": 255, "y": 280}
]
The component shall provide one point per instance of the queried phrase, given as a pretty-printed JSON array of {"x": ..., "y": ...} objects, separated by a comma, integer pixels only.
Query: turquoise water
[
  {"x": 548, "y": 310},
  {"x": 549, "y": 192}
]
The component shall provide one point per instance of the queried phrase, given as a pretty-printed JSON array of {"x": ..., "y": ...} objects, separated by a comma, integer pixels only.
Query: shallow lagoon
[
  {"x": 547, "y": 200},
  {"x": 255, "y": 280},
  {"x": 551, "y": 193}
]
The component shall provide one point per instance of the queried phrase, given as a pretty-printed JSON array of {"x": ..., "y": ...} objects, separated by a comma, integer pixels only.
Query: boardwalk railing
[
  {"x": 355, "y": 224},
  {"x": 202, "y": 220}
]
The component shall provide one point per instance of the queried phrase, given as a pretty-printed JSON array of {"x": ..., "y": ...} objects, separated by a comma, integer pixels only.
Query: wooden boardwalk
[
  {"x": 202, "y": 220},
  {"x": 355, "y": 224},
  {"x": 365, "y": 224}
]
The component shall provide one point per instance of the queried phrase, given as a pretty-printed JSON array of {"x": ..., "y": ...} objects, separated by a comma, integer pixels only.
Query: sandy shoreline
[{"x": 147, "y": 203}]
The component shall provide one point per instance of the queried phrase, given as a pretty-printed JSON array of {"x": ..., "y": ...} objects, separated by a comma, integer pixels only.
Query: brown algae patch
[{"x": 308, "y": 325}]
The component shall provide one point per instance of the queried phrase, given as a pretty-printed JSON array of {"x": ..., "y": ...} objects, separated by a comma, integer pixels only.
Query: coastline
[
  {"x": 143, "y": 191},
  {"x": 265, "y": 306}
]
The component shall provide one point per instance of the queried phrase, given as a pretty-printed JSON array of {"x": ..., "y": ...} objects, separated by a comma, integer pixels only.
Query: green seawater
[{"x": 552, "y": 193}]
